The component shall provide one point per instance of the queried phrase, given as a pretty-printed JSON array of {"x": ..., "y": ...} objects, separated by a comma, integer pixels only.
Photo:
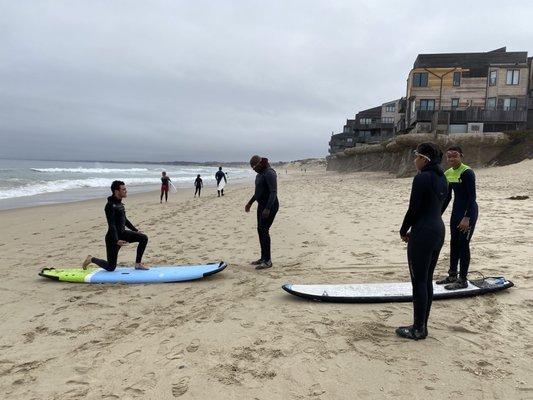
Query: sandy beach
[{"x": 237, "y": 335}]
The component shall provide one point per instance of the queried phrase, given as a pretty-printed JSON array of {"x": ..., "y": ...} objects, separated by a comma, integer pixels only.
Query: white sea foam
[{"x": 82, "y": 170}]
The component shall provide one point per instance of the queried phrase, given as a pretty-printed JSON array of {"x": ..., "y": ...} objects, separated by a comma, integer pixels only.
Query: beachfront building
[
  {"x": 468, "y": 92},
  {"x": 370, "y": 126}
]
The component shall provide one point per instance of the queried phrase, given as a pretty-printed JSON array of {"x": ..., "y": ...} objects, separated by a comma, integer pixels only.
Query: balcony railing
[{"x": 473, "y": 114}]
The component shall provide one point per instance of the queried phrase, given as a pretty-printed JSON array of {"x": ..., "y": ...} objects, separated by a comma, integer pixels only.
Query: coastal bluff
[{"x": 396, "y": 155}]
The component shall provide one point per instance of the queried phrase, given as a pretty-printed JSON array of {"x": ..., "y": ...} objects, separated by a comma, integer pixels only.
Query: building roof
[
  {"x": 478, "y": 63},
  {"x": 374, "y": 112}
]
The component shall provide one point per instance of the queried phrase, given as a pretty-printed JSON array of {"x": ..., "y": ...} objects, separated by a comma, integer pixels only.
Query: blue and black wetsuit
[
  {"x": 117, "y": 222},
  {"x": 426, "y": 237},
  {"x": 462, "y": 182},
  {"x": 266, "y": 195},
  {"x": 219, "y": 176}
]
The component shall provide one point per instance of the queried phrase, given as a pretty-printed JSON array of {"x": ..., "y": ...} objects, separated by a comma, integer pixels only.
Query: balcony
[
  {"x": 471, "y": 114},
  {"x": 374, "y": 125}
]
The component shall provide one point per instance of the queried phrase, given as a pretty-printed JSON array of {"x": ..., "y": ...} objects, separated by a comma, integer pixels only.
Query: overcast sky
[{"x": 218, "y": 80}]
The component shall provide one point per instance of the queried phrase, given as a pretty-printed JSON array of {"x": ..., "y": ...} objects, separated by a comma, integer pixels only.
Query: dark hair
[
  {"x": 220, "y": 168},
  {"x": 455, "y": 148},
  {"x": 430, "y": 150},
  {"x": 116, "y": 186}
]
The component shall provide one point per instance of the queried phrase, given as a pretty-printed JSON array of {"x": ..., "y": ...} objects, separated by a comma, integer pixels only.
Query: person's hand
[
  {"x": 464, "y": 225},
  {"x": 266, "y": 213},
  {"x": 122, "y": 243},
  {"x": 247, "y": 207},
  {"x": 405, "y": 237},
  {"x": 139, "y": 231}
]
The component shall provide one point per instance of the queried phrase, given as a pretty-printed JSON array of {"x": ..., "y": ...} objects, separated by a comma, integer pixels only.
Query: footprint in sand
[
  {"x": 180, "y": 388},
  {"x": 193, "y": 347}
]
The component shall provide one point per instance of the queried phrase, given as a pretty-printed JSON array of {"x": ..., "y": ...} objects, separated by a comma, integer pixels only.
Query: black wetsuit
[
  {"x": 219, "y": 176},
  {"x": 198, "y": 185},
  {"x": 165, "y": 182},
  {"x": 266, "y": 195},
  {"x": 462, "y": 182},
  {"x": 117, "y": 223},
  {"x": 426, "y": 238}
]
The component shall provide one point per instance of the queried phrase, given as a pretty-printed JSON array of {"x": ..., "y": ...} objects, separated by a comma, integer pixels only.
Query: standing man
[
  {"x": 220, "y": 185},
  {"x": 198, "y": 184},
  {"x": 117, "y": 234},
  {"x": 165, "y": 182},
  {"x": 462, "y": 182},
  {"x": 266, "y": 195}
]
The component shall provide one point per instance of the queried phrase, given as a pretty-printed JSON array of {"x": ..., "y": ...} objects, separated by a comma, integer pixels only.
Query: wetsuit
[
  {"x": 165, "y": 182},
  {"x": 462, "y": 182},
  {"x": 424, "y": 218},
  {"x": 198, "y": 184},
  {"x": 219, "y": 176},
  {"x": 266, "y": 195},
  {"x": 117, "y": 223}
]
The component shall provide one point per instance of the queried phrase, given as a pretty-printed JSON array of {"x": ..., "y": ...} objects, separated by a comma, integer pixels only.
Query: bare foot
[
  {"x": 87, "y": 261},
  {"x": 141, "y": 266}
]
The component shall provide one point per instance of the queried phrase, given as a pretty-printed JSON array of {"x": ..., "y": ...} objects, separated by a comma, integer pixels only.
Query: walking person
[
  {"x": 165, "y": 183},
  {"x": 117, "y": 234},
  {"x": 266, "y": 195},
  {"x": 423, "y": 230},
  {"x": 462, "y": 182},
  {"x": 198, "y": 184},
  {"x": 219, "y": 176}
]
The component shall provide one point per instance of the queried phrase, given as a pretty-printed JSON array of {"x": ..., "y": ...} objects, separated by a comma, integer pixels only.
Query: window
[
  {"x": 387, "y": 120},
  {"x": 349, "y": 140},
  {"x": 427, "y": 104},
  {"x": 455, "y": 103},
  {"x": 513, "y": 76},
  {"x": 390, "y": 108},
  {"x": 493, "y": 77},
  {"x": 491, "y": 103},
  {"x": 509, "y": 104},
  {"x": 456, "y": 79},
  {"x": 365, "y": 121},
  {"x": 420, "y": 79}
]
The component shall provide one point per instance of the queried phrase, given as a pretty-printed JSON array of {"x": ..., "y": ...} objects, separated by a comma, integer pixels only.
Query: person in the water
[
  {"x": 198, "y": 184},
  {"x": 423, "y": 230},
  {"x": 117, "y": 234},
  {"x": 462, "y": 182},
  {"x": 165, "y": 183}
]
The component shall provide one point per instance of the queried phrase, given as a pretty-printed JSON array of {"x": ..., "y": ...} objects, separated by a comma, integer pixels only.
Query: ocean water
[{"x": 25, "y": 183}]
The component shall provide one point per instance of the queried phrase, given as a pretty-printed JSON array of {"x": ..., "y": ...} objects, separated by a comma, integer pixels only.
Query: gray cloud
[{"x": 217, "y": 80}]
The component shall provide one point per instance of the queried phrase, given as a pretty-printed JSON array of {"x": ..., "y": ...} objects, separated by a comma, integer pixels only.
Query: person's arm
[
  {"x": 110, "y": 216},
  {"x": 130, "y": 225},
  {"x": 415, "y": 202},
  {"x": 469, "y": 180},
  {"x": 447, "y": 199},
  {"x": 272, "y": 184}
]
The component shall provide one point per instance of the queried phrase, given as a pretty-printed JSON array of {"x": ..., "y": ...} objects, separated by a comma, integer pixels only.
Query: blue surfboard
[{"x": 156, "y": 274}]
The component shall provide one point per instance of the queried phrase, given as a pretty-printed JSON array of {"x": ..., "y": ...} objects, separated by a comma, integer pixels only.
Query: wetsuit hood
[
  {"x": 434, "y": 165},
  {"x": 113, "y": 199},
  {"x": 263, "y": 165}
]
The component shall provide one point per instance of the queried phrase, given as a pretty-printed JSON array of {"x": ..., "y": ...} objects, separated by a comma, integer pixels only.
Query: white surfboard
[
  {"x": 392, "y": 292},
  {"x": 221, "y": 185}
]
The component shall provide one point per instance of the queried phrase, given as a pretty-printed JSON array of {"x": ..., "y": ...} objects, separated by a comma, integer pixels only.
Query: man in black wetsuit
[
  {"x": 165, "y": 183},
  {"x": 423, "y": 230},
  {"x": 198, "y": 184},
  {"x": 462, "y": 182},
  {"x": 219, "y": 176},
  {"x": 117, "y": 234},
  {"x": 266, "y": 195}
]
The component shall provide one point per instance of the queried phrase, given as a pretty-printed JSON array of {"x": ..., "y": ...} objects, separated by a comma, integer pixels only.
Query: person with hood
[
  {"x": 266, "y": 195},
  {"x": 117, "y": 234},
  {"x": 423, "y": 230},
  {"x": 462, "y": 181},
  {"x": 219, "y": 176}
]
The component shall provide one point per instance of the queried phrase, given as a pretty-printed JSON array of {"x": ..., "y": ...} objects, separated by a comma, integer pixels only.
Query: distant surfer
[
  {"x": 462, "y": 181},
  {"x": 198, "y": 184},
  {"x": 117, "y": 234},
  {"x": 165, "y": 184},
  {"x": 219, "y": 176},
  {"x": 266, "y": 195},
  {"x": 423, "y": 230}
]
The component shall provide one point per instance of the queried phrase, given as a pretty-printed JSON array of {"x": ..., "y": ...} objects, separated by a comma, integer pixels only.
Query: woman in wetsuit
[
  {"x": 423, "y": 230},
  {"x": 165, "y": 182},
  {"x": 462, "y": 182}
]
